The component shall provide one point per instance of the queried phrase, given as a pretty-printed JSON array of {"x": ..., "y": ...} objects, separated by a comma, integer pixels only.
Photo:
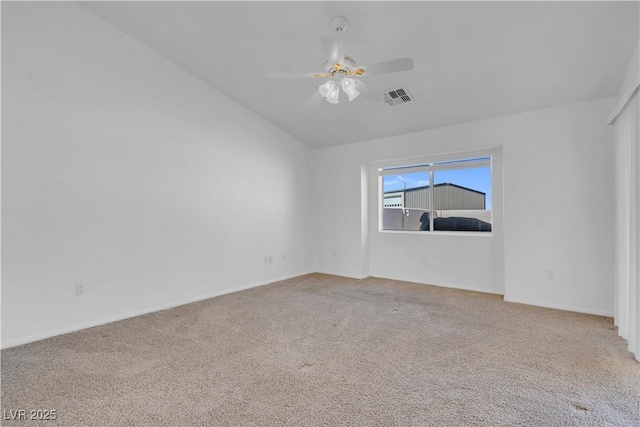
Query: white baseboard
[
  {"x": 560, "y": 307},
  {"x": 104, "y": 321},
  {"x": 444, "y": 285},
  {"x": 467, "y": 288},
  {"x": 341, "y": 275}
]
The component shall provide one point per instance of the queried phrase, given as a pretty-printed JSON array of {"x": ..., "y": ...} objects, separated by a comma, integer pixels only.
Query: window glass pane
[
  {"x": 460, "y": 194},
  {"x": 462, "y": 199},
  {"x": 405, "y": 201}
]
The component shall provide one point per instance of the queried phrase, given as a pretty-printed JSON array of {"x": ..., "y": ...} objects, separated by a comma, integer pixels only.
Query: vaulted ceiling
[{"x": 473, "y": 60}]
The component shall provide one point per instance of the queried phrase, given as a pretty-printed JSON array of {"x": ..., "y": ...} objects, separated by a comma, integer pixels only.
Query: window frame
[{"x": 433, "y": 164}]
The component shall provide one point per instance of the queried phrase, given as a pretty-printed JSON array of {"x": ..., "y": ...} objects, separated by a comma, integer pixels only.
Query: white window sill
[{"x": 440, "y": 233}]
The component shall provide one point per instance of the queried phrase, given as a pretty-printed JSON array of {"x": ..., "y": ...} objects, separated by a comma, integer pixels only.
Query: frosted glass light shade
[
  {"x": 330, "y": 90},
  {"x": 349, "y": 87},
  {"x": 327, "y": 88},
  {"x": 333, "y": 95}
]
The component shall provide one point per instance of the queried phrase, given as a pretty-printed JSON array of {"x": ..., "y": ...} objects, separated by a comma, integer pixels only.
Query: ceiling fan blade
[
  {"x": 368, "y": 92},
  {"x": 333, "y": 48},
  {"x": 314, "y": 99},
  {"x": 293, "y": 75},
  {"x": 391, "y": 66}
]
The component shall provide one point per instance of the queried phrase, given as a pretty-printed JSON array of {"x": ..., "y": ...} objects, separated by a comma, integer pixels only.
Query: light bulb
[{"x": 349, "y": 87}]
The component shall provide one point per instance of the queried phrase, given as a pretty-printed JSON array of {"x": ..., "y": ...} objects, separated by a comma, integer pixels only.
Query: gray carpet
[{"x": 326, "y": 350}]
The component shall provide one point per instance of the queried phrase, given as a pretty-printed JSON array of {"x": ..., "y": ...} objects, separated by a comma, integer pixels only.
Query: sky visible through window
[{"x": 478, "y": 179}]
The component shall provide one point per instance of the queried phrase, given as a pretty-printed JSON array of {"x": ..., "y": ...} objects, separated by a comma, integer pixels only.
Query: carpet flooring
[{"x": 327, "y": 350}]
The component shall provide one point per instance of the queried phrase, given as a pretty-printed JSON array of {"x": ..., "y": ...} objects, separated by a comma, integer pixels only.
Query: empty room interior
[{"x": 320, "y": 213}]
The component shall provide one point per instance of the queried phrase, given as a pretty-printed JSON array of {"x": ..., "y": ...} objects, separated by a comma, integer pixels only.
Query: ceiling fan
[{"x": 342, "y": 71}]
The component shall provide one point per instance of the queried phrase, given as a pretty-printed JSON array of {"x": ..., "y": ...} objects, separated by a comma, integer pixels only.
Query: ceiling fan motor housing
[{"x": 349, "y": 64}]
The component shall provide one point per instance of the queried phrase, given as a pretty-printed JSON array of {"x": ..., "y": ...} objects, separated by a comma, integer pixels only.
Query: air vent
[{"x": 397, "y": 96}]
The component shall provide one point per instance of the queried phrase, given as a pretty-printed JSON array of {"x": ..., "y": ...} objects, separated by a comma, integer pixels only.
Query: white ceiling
[{"x": 473, "y": 60}]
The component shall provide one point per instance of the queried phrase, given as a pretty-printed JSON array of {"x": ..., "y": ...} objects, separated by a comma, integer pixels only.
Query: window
[{"x": 453, "y": 195}]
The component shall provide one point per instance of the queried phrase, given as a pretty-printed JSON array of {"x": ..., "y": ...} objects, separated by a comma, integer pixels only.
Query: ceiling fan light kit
[
  {"x": 340, "y": 69},
  {"x": 331, "y": 91}
]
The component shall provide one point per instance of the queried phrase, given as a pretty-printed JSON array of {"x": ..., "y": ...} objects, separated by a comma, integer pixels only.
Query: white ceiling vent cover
[{"x": 397, "y": 96}]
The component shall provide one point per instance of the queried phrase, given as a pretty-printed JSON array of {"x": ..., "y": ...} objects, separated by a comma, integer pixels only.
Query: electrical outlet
[
  {"x": 551, "y": 275},
  {"x": 79, "y": 289},
  {"x": 335, "y": 254},
  {"x": 284, "y": 257},
  {"x": 270, "y": 259}
]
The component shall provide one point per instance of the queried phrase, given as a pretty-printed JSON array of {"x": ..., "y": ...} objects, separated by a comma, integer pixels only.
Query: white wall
[
  {"x": 461, "y": 260},
  {"x": 433, "y": 259},
  {"x": 125, "y": 173},
  {"x": 557, "y": 167}
]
